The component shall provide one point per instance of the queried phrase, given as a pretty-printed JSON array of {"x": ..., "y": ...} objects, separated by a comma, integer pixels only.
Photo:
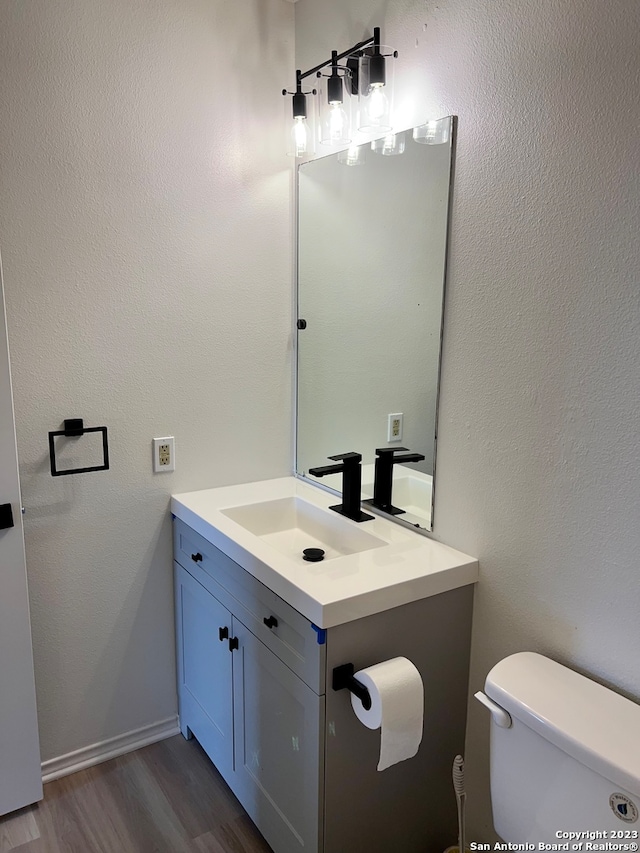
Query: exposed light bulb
[
  {"x": 389, "y": 143},
  {"x": 378, "y": 103},
  {"x": 300, "y": 135},
  {"x": 337, "y": 123}
]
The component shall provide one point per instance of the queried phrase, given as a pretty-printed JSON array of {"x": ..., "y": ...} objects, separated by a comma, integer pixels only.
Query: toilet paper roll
[{"x": 397, "y": 708}]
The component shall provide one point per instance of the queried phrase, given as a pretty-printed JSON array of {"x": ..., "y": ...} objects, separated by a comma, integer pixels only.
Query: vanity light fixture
[{"x": 368, "y": 78}]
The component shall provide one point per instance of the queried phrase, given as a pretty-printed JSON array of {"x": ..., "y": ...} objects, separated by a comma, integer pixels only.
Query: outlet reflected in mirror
[{"x": 371, "y": 269}]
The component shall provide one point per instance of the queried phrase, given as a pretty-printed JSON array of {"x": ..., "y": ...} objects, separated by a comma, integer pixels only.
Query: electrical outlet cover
[
  {"x": 394, "y": 426},
  {"x": 164, "y": 454}
]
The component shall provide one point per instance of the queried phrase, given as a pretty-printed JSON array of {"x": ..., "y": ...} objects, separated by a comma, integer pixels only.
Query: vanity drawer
[
  {"x": 287, "y": 633},
  {"x": 193, "y": 552},
  {"x": 278, "y": 625}
]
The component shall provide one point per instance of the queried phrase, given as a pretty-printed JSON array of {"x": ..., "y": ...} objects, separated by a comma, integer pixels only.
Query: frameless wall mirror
[{"x": 372, "y": 239}]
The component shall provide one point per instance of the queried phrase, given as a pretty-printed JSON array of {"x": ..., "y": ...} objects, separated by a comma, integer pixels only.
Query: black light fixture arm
[
  {"x": 349, "y": 71},
  {"x": 374, "y": 40},
  {"x": 299, "y": 78}
]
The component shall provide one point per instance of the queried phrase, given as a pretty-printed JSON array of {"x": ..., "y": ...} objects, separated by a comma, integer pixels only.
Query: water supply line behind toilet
[{"x": 461, "y": 796}]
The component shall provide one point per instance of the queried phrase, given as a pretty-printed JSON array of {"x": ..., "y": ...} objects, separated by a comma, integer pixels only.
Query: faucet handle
[
  {"x": 384, "y": 450},
  {"x": 350, "y": 463},
  {"x": 350, "y": 458}
]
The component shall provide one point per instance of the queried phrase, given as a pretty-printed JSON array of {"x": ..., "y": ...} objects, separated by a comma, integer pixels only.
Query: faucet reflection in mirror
[
  {"x": 371, "y": 268},
  {"x": 383, "y": 476},
  {"x": 366, "y": 76}
]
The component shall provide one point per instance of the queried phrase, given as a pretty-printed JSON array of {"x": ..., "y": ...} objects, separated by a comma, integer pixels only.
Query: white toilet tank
[{"x": 565, "y": 758}]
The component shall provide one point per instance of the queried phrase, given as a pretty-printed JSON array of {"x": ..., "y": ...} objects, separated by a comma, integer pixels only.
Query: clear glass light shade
[
  {"x": 378, "y": 105},
  {"x": 300, "y": 130},
  {"x": 375, "y": 95},
  {"x": 335, "y": 119},
  {"x": 336, "y": 127},
  {"x": 390, "y": 145},
  {"x": 354, "y": 155},
  {"x": 433, "y": 132}
]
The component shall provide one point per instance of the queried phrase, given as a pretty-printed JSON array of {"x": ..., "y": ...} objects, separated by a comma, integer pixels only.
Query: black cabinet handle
[
  {"x": 233, "y": 643},
  {"x": 197, "y": 558},
  {"x": 271, "y": 622},
  {"x": 223, "y": 633}
]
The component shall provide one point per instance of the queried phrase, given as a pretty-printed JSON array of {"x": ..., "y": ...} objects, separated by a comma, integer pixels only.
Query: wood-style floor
[{"x": 165, "y": 798}]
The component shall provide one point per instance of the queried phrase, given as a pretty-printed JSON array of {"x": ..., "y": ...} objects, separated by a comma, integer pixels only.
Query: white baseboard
[{"x": 80, "y": 759}]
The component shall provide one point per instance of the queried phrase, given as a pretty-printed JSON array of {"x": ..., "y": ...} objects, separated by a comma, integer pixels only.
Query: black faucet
[
  {"x": 351, "y": 471},
  {"x": 383, "y": 481}
]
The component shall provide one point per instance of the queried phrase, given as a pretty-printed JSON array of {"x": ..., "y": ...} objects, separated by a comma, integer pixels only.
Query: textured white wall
[
  {"x": 539, "y": 438},
  {"x": 145, "y": 228}
]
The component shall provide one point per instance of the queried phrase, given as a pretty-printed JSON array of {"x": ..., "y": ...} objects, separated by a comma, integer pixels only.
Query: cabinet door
[
  {"x": 278, "y": 758},
  {"x": 204, "y": 670}
]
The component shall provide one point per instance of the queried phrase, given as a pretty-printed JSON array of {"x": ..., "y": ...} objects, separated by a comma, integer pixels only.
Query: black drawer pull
[
  {"x": 197, "y": 558},
  {"x": 224, "y": 633},
  {"x": 271, "y": 622},
  {"x": 233, "y": 643}
]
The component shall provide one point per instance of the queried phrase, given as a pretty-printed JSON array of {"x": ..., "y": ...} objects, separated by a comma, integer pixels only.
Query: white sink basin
[
  {"x": 291, "y": 524},
  {"x": 370, "y": 567}
]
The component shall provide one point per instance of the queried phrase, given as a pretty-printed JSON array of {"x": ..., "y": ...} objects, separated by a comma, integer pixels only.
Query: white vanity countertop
[{"x": 409, "y": 567}]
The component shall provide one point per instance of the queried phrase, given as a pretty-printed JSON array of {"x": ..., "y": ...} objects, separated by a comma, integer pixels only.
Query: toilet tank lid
[{"x": 589, "y": 722}]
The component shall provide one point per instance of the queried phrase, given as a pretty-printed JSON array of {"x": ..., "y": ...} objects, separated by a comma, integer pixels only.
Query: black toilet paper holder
[{"x": 343, "y": 677}]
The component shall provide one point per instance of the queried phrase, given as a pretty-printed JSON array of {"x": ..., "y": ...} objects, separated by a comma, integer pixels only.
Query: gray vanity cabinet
[
  {"x": 257, "y": 719},
  {"x": 290, "y": 747},
  {"x": 277, "y": 749},
  {"x": 205, "y": 668}
]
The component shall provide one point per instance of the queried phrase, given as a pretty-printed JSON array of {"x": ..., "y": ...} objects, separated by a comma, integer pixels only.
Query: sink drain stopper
[{"x": 313, "y": 555}]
